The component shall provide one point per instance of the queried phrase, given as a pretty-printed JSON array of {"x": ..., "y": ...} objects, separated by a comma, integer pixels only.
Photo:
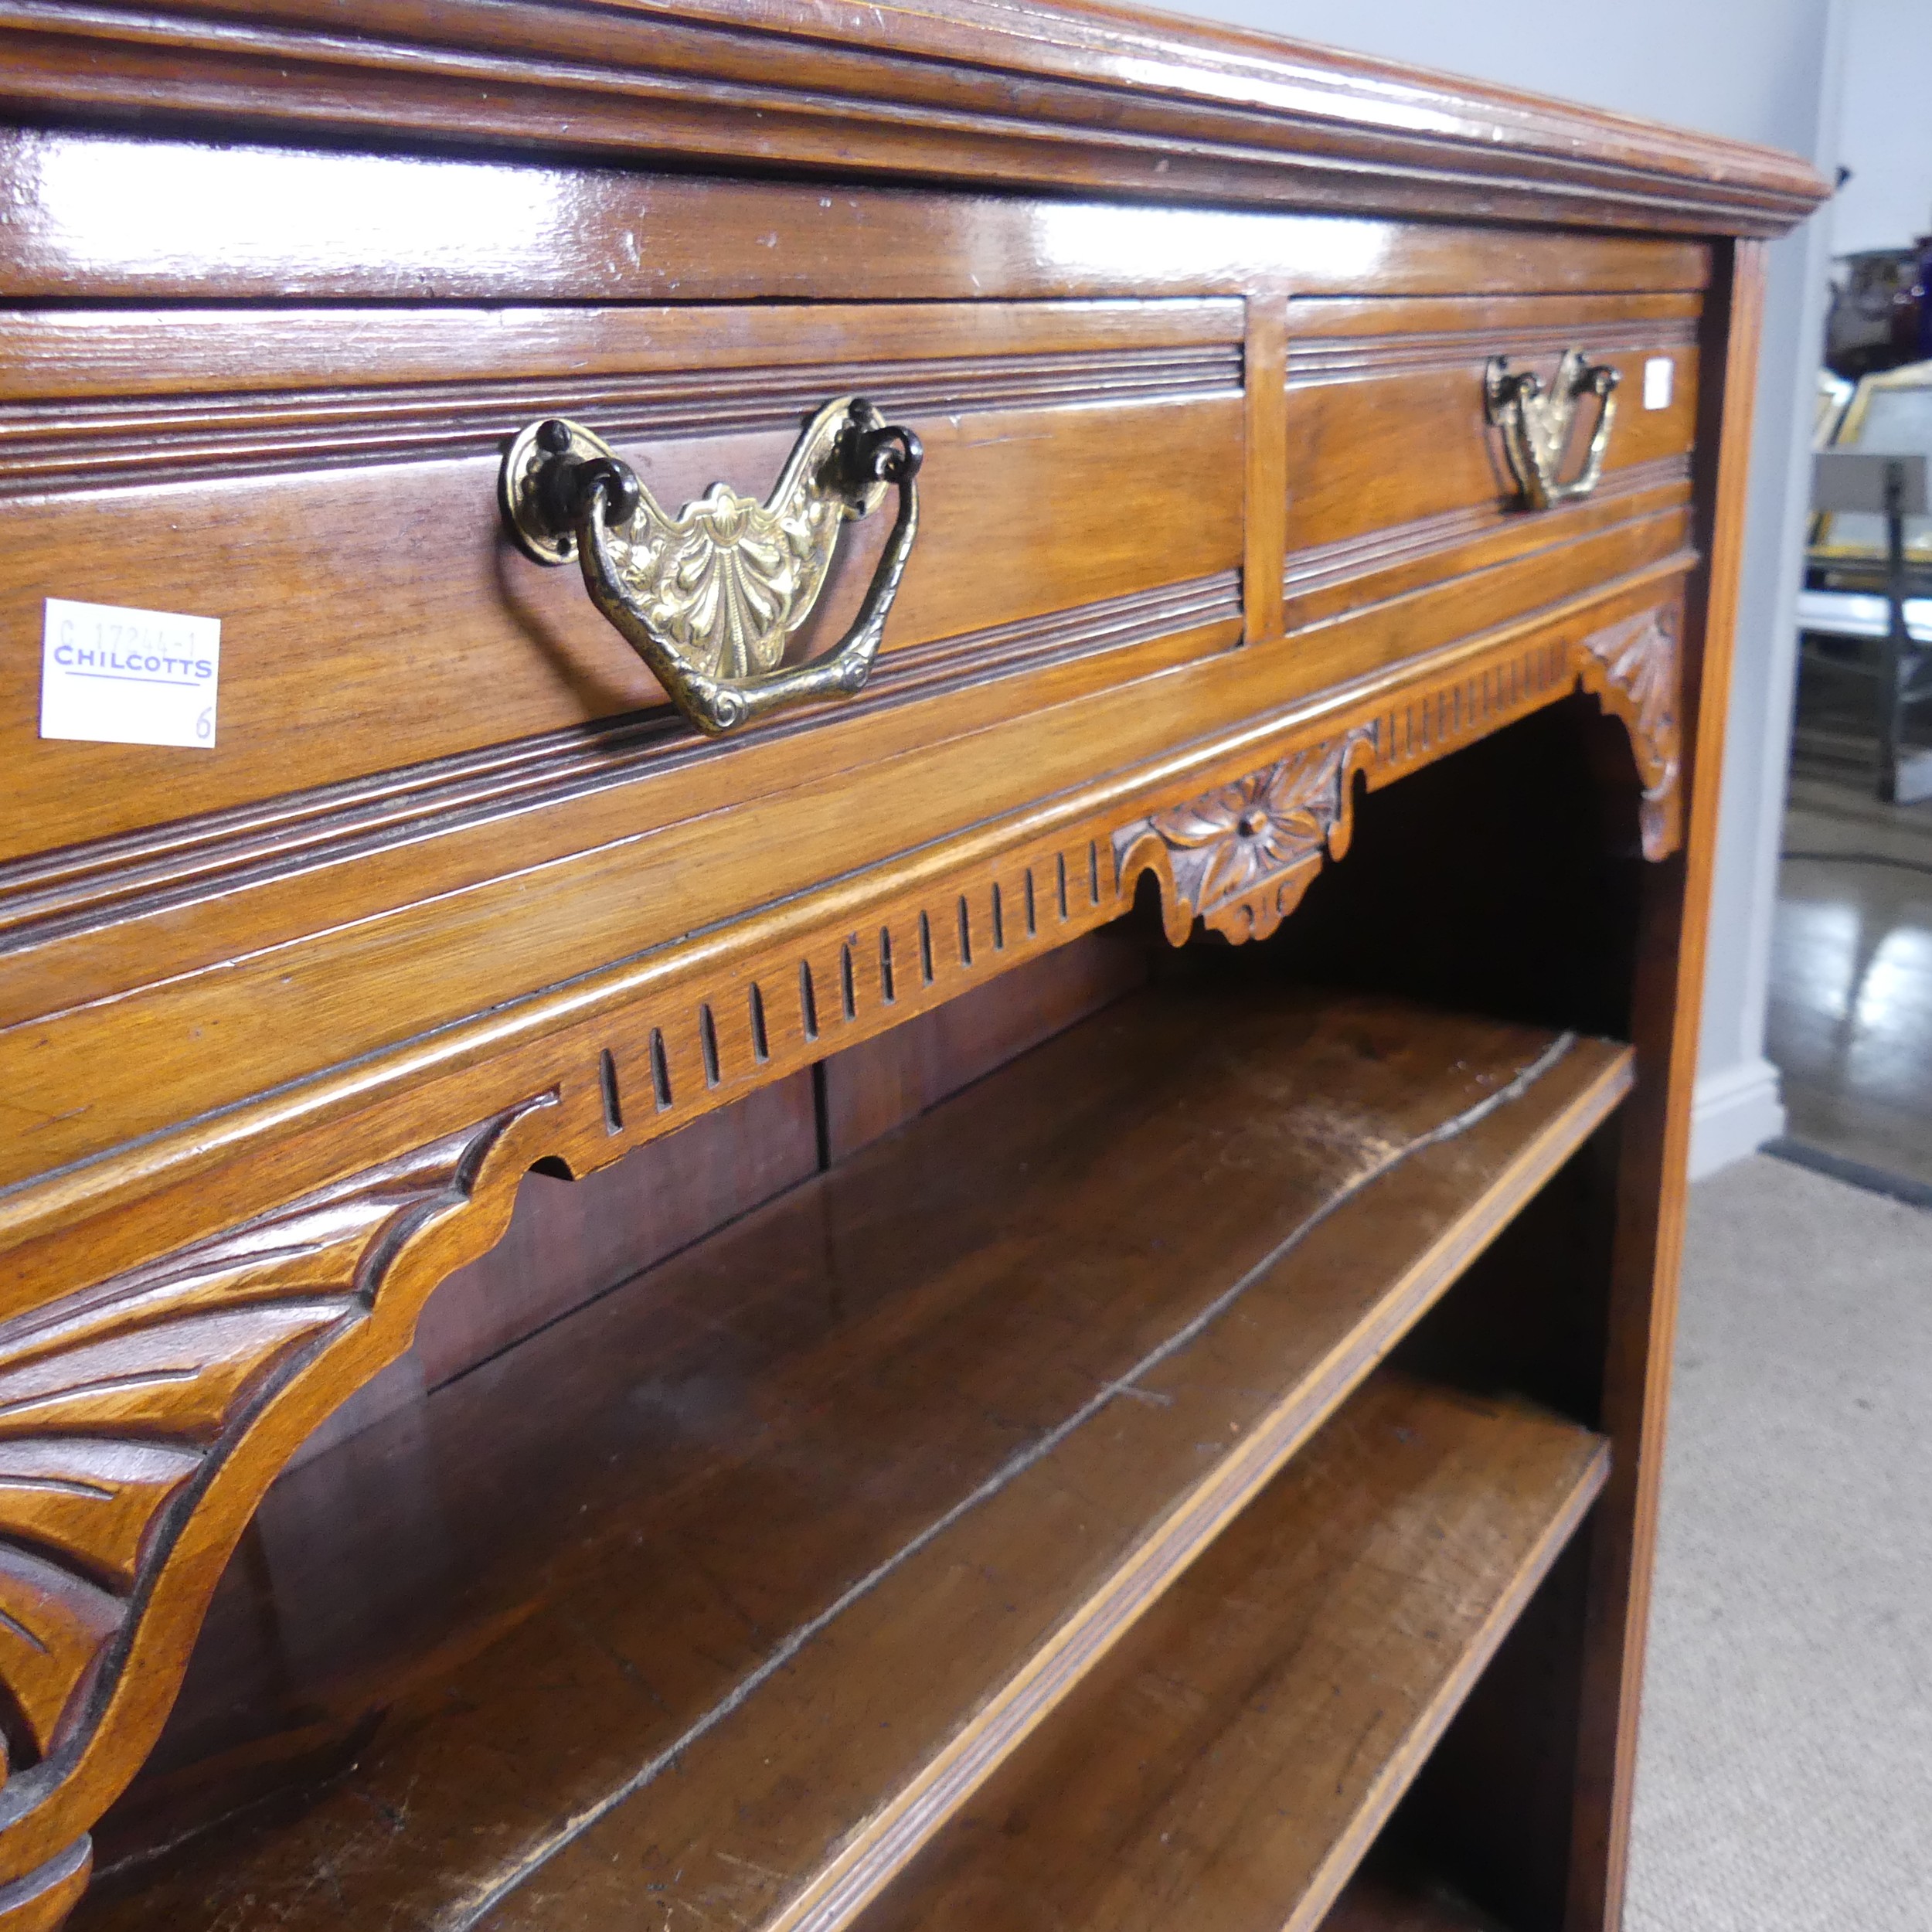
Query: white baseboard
[{"x": 1734, "y": 1112}]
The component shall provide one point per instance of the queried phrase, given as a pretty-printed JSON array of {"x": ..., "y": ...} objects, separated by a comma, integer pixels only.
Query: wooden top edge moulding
[{"x": 1069, "y": 97}]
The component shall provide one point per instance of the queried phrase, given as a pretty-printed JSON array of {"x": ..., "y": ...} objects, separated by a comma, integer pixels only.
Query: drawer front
[
  {"x": 1399, "y": 482},
  {"x": 325, "y": 485},
  {"x": 445, "y": 796}
]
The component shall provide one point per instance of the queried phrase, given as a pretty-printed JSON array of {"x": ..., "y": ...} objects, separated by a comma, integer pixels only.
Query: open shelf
[
  {"x": 1228, "y": 1764},
  {"x": 723, "y": 1593}
]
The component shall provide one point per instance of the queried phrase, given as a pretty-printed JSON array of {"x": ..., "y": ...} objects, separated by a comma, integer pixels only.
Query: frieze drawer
[
  {"x": 326, "y": 484},
  {"x": 1414, "y": 493}
]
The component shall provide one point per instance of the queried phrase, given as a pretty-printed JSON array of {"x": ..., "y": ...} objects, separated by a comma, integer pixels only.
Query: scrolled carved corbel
[
  {"x": 1634, "y": 670},
  {"x": 142, "y": 1420},
  {"x": 1239, "y": 857}
]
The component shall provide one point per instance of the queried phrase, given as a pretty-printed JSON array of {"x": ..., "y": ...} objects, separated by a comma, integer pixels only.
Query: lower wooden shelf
[
  {"x": 1226, "y": 1766},
  {"x": 713, "y": 1601}
]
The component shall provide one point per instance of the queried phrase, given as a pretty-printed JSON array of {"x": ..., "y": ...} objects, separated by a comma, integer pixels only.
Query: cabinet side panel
[{"x": 1652, "y": 1179}]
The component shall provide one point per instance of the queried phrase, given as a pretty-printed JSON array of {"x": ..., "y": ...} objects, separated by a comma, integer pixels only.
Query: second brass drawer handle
[
  {"x": 1536, "y": 424},
  {"x": 710, "y": 598}
]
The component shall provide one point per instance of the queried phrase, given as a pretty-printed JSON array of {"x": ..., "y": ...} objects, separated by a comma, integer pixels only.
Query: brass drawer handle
[
  {"x": 1536, "y": 425},
  {"x": 709, "y": 598}
]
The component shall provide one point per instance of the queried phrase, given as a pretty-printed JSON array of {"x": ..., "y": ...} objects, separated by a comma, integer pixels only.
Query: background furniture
[
  {"x": 1102, "y": 1430},
  {"x": 1869, "y": 497},
  {"x": 1889, "y": 414},
  {"x": 1834, "y": 397}
]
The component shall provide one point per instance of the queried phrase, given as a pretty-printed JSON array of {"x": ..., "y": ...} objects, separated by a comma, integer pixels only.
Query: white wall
[
  {"x": 1886, "y": 138},
  {"x": 1762, "y": 70},
  {"x": 1748, "y": 68}
]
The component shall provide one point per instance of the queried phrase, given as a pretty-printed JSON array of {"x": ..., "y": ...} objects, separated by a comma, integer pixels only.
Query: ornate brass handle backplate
[
  {"x": 710, "y": 598},
  {"x": 1536, "y": 424}
]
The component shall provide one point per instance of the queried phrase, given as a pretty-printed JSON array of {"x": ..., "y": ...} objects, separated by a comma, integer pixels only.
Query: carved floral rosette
[{"x": 1239, "y": 857}]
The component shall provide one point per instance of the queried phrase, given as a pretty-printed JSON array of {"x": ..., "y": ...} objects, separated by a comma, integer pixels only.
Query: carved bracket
[
  {"x": 142, "y": 1420},
  {"x": 1633, "y": 670},
  {"x": 1239, "y": 857}
]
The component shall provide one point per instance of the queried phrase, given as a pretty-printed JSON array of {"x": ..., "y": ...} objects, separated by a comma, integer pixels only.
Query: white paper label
[
  {"x": 123, "y": 677},
  {"x": 1658, "y": 372}
]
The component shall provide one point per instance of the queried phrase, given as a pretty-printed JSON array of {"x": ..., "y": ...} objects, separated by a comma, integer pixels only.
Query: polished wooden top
[{"x": 1073, "y": 95}]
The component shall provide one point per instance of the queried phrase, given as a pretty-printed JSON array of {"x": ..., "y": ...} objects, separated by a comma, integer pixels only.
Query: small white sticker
[
  {"x": 121, "y": 677},
  {"x": 1658, "y": 372}
]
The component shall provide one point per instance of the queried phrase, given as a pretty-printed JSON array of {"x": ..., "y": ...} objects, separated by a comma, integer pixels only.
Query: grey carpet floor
[{"x": 1784, "y": 1780}]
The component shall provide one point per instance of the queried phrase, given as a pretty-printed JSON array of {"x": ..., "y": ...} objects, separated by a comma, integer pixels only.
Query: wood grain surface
[
  {"x": 1652, "y": 1181},
  {"x": 958, "y": 1449},
  {"x": 40, "y": 1901},
  {"x": 320, "y": 569},
  {"x": 774, "y": 1555},
  {"x": 634, "y": 933},
  {"x": 314, "y": 892},
  {"x": 1372, "y": 382},
  {"x": 135, "y": 218},
  {"x": 1227, "y": 1765}
]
